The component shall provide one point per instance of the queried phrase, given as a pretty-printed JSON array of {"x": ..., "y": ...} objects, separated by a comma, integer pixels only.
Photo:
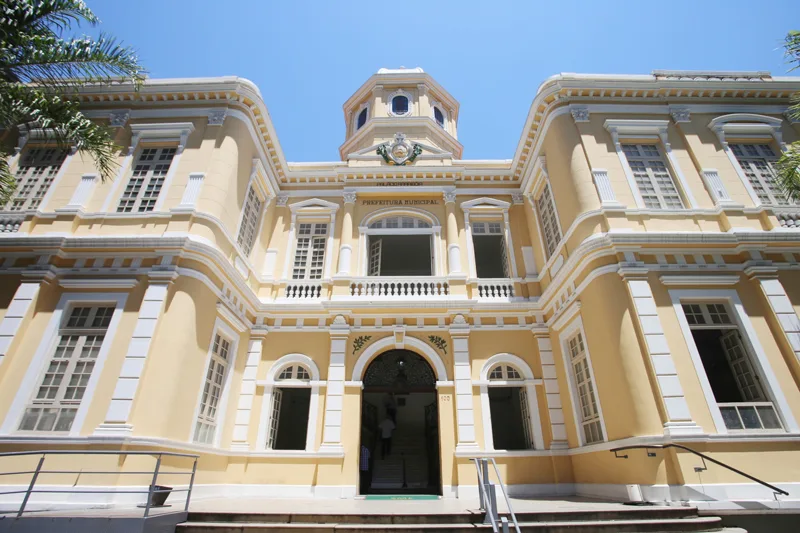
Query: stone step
[
  {"x": 696, "y": 524},
  {"x": 476, "y": 517}
]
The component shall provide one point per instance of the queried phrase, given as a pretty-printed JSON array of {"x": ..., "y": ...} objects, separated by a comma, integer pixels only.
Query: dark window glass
[
  {"x": 400, "y": 105},
  {"x": 362, "y": 118},
  {"x": 437, "y": 114}
]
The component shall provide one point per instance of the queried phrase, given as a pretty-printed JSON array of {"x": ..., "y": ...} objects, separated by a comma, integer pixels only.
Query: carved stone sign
[{"x": 400, "y": 202}]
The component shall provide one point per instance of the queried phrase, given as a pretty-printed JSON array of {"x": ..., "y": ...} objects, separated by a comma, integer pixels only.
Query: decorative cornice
[
  {"x": 282, "y": 200},
  {"x": 579, "y": 114},
  {"x": 216, "y": 117},
  {"x": 350, "y": 197},
  {"x": 107, "y": 284},
  {"x": 724, "y": 280},
  {"x": 118, "y": 118}
]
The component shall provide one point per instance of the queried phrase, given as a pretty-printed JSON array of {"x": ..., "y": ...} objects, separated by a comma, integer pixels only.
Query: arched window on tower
[
  {"x": 400, "y": 105},
  {"x": 362, "y": 119},
  {"x": 291, "y": 400},
  {"x": 438, "y": 116}
]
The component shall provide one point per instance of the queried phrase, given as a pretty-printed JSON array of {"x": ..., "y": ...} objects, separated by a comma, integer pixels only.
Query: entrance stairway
[
  {"x": 634, "y": 519},
  {"x": 407, "y": 463}
]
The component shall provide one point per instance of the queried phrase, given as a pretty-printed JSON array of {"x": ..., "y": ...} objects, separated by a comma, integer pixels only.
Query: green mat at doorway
[{"x": 401, "y": 497}]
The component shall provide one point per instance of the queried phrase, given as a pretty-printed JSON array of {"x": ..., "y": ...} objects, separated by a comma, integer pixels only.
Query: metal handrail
[
  {"x": 488, "y": 497},
  {"x": 701, "y": 455},
  {"x": 150, "y": 490}
]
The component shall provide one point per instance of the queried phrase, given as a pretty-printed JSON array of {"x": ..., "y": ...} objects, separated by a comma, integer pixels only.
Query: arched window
[
  {"x": 400, "y": 105},
  {"x": 399, "y": 245},
  {"x": 438, "y": 116},
  {"x": 291, "y": 400},
  {"x": 362, "y": 119},
  {"x": 510, "y": 409}
]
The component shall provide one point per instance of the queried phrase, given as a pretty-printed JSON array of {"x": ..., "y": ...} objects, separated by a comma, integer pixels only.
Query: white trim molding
[
  {"x": 16, "y": 313},
  {"x": 247, "y": 393},
  {"x": 779, "y": 302},
  {"x": 558, "y": 428}
]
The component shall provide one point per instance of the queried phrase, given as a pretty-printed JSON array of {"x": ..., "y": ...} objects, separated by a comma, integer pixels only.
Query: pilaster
[
  {"x": 465, "y": 415},
  {"x": 332, "y": 425},
  {"x": 555, "y": 411},
  {"x": 244, "y": 408},
  {"x": 18, "y": 309},
  {"x": 679, "y": 419},
  {"x": 775, "y": 293},
  {"x": 117, "y": 420}
]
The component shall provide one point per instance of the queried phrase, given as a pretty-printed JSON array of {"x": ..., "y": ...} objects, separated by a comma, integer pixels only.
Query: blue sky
[{"x": 308, "y": 57}]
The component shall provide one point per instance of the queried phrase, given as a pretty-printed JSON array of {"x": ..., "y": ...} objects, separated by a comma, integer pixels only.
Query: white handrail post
[
  {"x": 30, "y": 487},
  {"x": 152, "y": 487}
]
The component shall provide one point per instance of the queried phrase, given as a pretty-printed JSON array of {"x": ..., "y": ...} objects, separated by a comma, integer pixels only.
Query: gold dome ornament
[{"x": 399, "y": 151}]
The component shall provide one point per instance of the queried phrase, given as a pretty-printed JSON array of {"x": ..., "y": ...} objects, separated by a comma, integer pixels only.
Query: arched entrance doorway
[{"x": 400, "y": 425}]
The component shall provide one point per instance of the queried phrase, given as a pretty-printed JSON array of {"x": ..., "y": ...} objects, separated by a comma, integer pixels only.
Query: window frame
[
  {"x": 555, "y": 222},
  {"x": 492, "y": 227},
  {"x": 271, "y": 383},
  {"x": 245, "y": 226},
  {"x": 528, "y": 383},
  {"x": 422, "y": 218},
  {"x": 647, "y": 160},
  {"x": 752, "y": 344},
  {"x": 44, "y": 352},
  {"x": 226, "y": 331},
  {"x": 771, "y": 188},
  {"x": 390, "y": 103},
  {"x": 24, "y": 181},
  {"x": 568, "y": 333},
  {"x": 147, "y": 180}
]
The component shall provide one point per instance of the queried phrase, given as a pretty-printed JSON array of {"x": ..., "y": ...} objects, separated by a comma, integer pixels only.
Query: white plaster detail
[
  {"x": 15, "y": 314},
  {"x": 192, "y": 191},
  {"x": 715, "y": 186},
  {"x": 604, "y": 189}
]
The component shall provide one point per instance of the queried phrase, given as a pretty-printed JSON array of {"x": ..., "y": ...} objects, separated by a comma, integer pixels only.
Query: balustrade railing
[
  {"x": 495, "y": 288},
  {"x": 304, "y": 290},
  {"x": 10, "y": 223},
  {"x": 399, "y": 287}
]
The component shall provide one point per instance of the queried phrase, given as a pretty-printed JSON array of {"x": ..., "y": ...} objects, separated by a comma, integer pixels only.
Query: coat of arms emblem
[{"x": 399, "y": 151}]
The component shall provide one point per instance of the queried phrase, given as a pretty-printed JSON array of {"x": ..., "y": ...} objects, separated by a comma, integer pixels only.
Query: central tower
[{"x": 400, "y": 117}]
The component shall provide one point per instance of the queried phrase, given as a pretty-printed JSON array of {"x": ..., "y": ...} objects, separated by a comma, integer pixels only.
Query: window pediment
[
  {"x": 485, "y": 204},
  {"x": 746, "y": 125}
]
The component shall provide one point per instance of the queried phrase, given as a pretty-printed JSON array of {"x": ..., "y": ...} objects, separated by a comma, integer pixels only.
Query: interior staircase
[
  {"x": 628, "y": 520},
  {"x": 407, "y": 464}
]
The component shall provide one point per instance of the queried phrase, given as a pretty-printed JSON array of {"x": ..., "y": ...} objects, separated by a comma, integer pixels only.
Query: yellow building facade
[{"x": 630, "y": 277}]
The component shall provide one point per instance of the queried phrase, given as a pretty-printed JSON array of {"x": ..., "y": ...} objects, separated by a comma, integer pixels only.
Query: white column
[
  {"x": 679, "y": 419},
  {"x": 558, "y": 429},
  {"x": 332, "y": 425},
  {"x": 781, "y": 305},
  {"x": 244, "y": 409},
  {"x": 17, "y": 311},
  {"x": 465, "y": 414},
  {"x": 192, "y": 191},
  {"x": 82, "y": 193},
  {"x": 290, "y": 247},
  {"x": 512, "y": 261},
  {"x": 329, "y": 247},
  {"x": 346, "y": 239},
  {"x": 117, "y": 421},
  {"x": 451, "y": 233}
]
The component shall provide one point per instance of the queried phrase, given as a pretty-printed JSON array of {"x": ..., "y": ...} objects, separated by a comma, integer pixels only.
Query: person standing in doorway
[
  {"x": 387, "y": 428},
  {"x": 364, "y": 470}
]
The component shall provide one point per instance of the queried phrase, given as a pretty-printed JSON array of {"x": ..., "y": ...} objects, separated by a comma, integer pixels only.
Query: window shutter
[
  {"x": 526, "y": 417},
  {"x": 743, "y": 372},
  {"x": 375, "y": 247},
  {"x": 277, "y": 397}
]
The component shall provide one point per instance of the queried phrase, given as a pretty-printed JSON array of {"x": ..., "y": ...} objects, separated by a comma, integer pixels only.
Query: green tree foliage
[
  {"x": 41, "y": 71},
  {"x": 788, "y": 166}
]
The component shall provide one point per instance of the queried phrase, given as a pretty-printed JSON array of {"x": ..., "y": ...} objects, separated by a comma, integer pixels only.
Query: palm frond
[
  {"x": 788, "y": 171},
  {"x": 8, "y": 183},
  {"x": 791, "y": 45},
  {"x": 51, "y": 61},
  {"x": 42, "y": 17}
]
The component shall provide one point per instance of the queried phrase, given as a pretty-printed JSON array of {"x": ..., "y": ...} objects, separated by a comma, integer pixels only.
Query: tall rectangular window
[
  {"x": 37, "y": 170},
  {"x": 489, "y": 244},
  {"x": 213, "y": 387},
  {"x": 548, "y": 220},
  {"x": 144, "y": 186},
  {"x": 652, "y": 176},
  {"x": 250, "y": 220},
  {"x": 585, "y": 389},
  {"x": 63, "y": 385},
  {"x": 730, "y": 368},
  {"x": 309, "y": 255},
  {"x": 756, "y": 161}
]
